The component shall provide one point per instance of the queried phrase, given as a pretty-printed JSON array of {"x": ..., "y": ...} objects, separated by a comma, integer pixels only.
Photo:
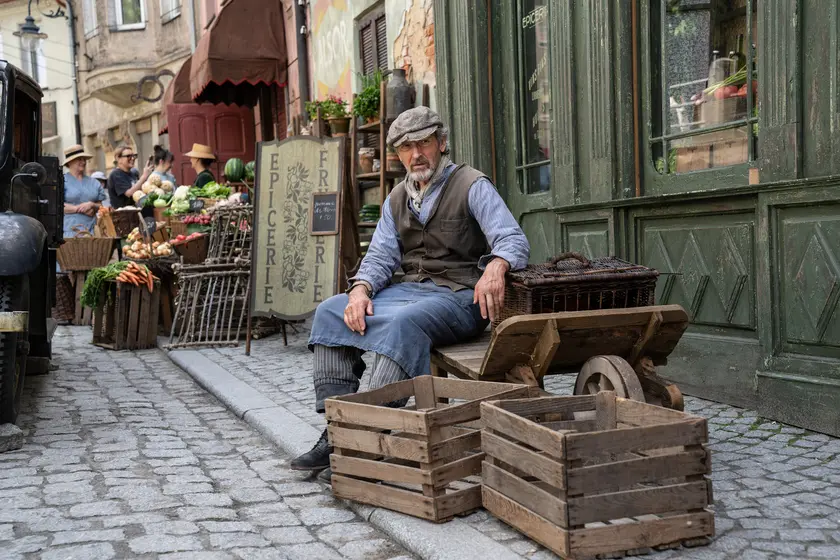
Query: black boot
[
  {"x": 316, "y": 459},
  {"x": 326, "y": 476}
]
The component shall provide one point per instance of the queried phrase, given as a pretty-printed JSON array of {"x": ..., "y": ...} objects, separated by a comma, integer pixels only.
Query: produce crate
[
  {"x": 81, "y": 316},
  {"x": 85, "y": 253},
  {"x": 127, "y": 317},
  {"x": 176, "y": 227},
  {"x": 193, "y": 251},
  {"x": 571, "y": 282},
  {"x": 415, "y": 461},
  {"x": 596, "y": 474}
]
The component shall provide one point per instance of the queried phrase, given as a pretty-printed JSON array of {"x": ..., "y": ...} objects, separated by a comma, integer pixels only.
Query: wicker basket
[
  {"x": 85, "y": 252},
  {"x": 176, "y": 228},
  {"x": 193, "y": 251},
  {"x": 65, "y": 303},
  {"x": 571, "y": 282},
  {"x": 125, "y": 221}
]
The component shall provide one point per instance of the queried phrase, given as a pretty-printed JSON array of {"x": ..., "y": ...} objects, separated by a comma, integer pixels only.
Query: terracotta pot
[
  {"x": 366, "y": 162},
  {"x": 339, "y": 126}
]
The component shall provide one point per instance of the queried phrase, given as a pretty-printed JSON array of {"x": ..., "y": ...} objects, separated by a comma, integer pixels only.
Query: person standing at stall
[
  {"x": 201, "y": 158},
  {"x": 162, "y": 160},
  {"x": 83, "y": 195},
  {"x": 123, "y": 181}
]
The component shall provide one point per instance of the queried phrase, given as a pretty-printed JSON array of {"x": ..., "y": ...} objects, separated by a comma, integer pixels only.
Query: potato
[
  {"x": 147, "y": 188},
  {"x": 167, "y": 186},
  {"x": 154, "y": 180}
]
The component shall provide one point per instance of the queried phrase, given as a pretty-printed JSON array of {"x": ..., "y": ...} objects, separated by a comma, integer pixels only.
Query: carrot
[
  {"x": 132, "y": 278},
  {"x": 150, "y": 283}
]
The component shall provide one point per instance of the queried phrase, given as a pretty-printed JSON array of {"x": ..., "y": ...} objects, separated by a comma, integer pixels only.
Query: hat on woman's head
[
  {"x": 75, "y": 152},
  {"x": 201, "y": 151},
  {"x": 99, "y": 176}
]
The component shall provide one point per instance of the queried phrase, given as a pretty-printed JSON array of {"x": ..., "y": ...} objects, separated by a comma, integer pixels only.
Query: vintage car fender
[{"x": 22, "y": 242}]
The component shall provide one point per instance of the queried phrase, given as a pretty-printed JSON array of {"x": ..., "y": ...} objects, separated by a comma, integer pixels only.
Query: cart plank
[{"x": 583, "y": 334}]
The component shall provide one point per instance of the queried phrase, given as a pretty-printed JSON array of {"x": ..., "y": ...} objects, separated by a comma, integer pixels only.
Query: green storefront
[{"x": 621, "y": 127}]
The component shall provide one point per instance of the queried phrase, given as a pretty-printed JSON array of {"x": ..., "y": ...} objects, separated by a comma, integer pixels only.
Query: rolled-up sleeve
[
  {"x": 383, "y": 255},
  {"x": 505, "y": 237}
]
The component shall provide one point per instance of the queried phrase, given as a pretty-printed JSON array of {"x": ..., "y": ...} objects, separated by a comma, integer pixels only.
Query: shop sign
[{"x": 297, "y": 219}]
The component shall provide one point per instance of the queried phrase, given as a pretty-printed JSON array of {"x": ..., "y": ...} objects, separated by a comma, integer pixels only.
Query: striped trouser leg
[
  {"x": 336, "y": 371},
  {"x": 387, "y": 371}
]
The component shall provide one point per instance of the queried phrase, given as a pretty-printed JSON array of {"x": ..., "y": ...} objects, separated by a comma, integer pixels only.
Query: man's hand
[
  {"x": 490, "y": 290},
  {"x": 359, "y": 305}
]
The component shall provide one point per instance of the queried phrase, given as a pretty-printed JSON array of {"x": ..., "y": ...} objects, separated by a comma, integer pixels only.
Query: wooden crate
[
  {"x": 82, "y": 316},
  {"x": 596, "y": 474},
  {"x": 413, "y": 460},
  {"x": 127, "y": 317}
]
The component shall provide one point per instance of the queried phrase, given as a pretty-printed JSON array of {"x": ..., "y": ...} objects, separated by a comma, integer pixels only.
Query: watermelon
[
  {"x": 235, "y": 170},
  {"x": 250, "y": 169}
]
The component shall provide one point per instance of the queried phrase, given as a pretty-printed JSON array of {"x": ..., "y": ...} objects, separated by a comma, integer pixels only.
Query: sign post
[{"x": 297, "y": 220}]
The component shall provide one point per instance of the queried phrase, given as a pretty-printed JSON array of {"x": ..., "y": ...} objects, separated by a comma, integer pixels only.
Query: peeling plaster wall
[
  {"x": 414, "y": 44},
  {"x": 334, "y": 43}
]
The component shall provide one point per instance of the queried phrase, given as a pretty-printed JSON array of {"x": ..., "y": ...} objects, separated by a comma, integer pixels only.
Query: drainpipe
[
  {"x": 72, "y": 25},
  {"x": 191, "y": 23},
  {"x": 302, "y": 56}
]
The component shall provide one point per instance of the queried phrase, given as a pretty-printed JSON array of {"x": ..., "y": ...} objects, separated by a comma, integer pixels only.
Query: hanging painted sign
[{"x": 296, "y": 242}]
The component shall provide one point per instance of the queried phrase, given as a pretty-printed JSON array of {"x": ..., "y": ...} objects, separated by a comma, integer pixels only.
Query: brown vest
[{"x": 447, "y": 249}]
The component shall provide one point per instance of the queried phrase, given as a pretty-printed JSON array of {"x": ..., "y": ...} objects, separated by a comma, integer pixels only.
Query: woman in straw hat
[
  {"x": 201, "y": 158},
  {"x": 83, "y": 195}
]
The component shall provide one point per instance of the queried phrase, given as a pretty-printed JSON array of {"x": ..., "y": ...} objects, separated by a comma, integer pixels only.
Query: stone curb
[{"x": 429, "y": 541}]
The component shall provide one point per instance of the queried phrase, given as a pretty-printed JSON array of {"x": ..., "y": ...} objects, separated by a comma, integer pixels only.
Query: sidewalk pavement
[{"x": 777, "y": 487}]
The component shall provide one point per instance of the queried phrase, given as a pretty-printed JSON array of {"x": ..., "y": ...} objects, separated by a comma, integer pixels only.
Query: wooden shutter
[
  {"x": 381, "y": 43},
  {"x": 367, "y": 40}
]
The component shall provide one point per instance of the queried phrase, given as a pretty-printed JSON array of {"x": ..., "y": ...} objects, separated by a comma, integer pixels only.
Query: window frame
[
  {"x": 171, "y": 11},
  {"x": 521, "y": 168},
  {"x": 90, "y": 22},
  {"x": 118, "y": 14},
  {"x": 650, "y": 80}
]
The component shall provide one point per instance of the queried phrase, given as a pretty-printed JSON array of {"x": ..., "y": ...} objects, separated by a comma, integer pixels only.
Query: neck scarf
[{"x": 415, "y": 192}]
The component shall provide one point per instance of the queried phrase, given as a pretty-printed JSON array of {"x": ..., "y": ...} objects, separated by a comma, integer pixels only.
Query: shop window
[
  {"x": 89, "y": 18},
  {"x": 533, "y": 164},
  {"x": 169, "y": 10},
  {"x": 705, "y": 84},
  {"x": 131, "y": 14}
]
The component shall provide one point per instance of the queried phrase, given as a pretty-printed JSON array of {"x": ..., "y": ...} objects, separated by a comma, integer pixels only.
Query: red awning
[
  {"x": 178, "y": 91},
  {"x": 243, "y": 51}
]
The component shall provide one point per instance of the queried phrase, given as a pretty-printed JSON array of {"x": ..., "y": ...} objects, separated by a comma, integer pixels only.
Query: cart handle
[{"x": 570, "y": 255}]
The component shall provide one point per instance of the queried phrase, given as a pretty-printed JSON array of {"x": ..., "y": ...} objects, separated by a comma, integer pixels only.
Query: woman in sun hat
[
  {"x": 201, "y": 158},
  {"x": 83, "y": 195}
]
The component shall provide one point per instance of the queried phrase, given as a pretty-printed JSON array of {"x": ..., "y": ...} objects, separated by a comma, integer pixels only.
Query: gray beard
[{"x": 421, "y": 176}]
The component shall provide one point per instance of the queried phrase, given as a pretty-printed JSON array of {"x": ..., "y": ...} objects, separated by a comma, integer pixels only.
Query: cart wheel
[{"x": 609, "y": 373}]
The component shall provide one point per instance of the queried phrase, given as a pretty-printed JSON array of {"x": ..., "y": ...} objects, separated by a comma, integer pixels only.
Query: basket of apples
[{"x": 192, "y": 248}]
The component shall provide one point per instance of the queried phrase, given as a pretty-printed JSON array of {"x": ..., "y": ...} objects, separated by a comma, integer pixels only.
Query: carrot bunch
[{"x": 138, "y": 275}]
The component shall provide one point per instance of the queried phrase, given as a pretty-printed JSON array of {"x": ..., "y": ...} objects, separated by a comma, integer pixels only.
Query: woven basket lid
[{"x": 571, "y": 267}]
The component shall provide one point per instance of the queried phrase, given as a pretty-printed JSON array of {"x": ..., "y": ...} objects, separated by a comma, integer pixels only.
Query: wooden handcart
[{"x": 610, "y": 349}]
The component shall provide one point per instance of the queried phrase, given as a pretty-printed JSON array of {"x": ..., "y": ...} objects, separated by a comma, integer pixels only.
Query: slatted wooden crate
[
  {"x": 415, "y": 460},
  {"x": 127, "y": 317},
  {"x": 593, "y": 475}
]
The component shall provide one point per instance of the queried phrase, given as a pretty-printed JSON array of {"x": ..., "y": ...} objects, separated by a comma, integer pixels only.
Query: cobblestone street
[
  {"x": 777, "y": 487},
  {"x": 125, "y": 456}
]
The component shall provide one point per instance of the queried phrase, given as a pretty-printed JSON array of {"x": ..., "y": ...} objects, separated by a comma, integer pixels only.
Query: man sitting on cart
[{"x": 455, "y": 239}]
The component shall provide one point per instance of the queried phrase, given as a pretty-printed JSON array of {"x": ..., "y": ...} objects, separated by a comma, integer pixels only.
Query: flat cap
[{"x": 413, "y": 125}]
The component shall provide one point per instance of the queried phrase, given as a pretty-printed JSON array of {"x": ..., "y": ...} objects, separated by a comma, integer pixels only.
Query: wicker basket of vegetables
[{"x": 125, "y": 221}]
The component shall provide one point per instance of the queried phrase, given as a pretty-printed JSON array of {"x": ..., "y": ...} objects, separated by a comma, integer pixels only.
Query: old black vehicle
[{"x": 31, "y": 212}]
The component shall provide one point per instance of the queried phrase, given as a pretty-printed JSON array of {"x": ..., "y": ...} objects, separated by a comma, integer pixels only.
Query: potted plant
[
  {"x": 366, "y": 104},
  {"x": 318, "y": 124},
  {"x": 335, "y": 109}
]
